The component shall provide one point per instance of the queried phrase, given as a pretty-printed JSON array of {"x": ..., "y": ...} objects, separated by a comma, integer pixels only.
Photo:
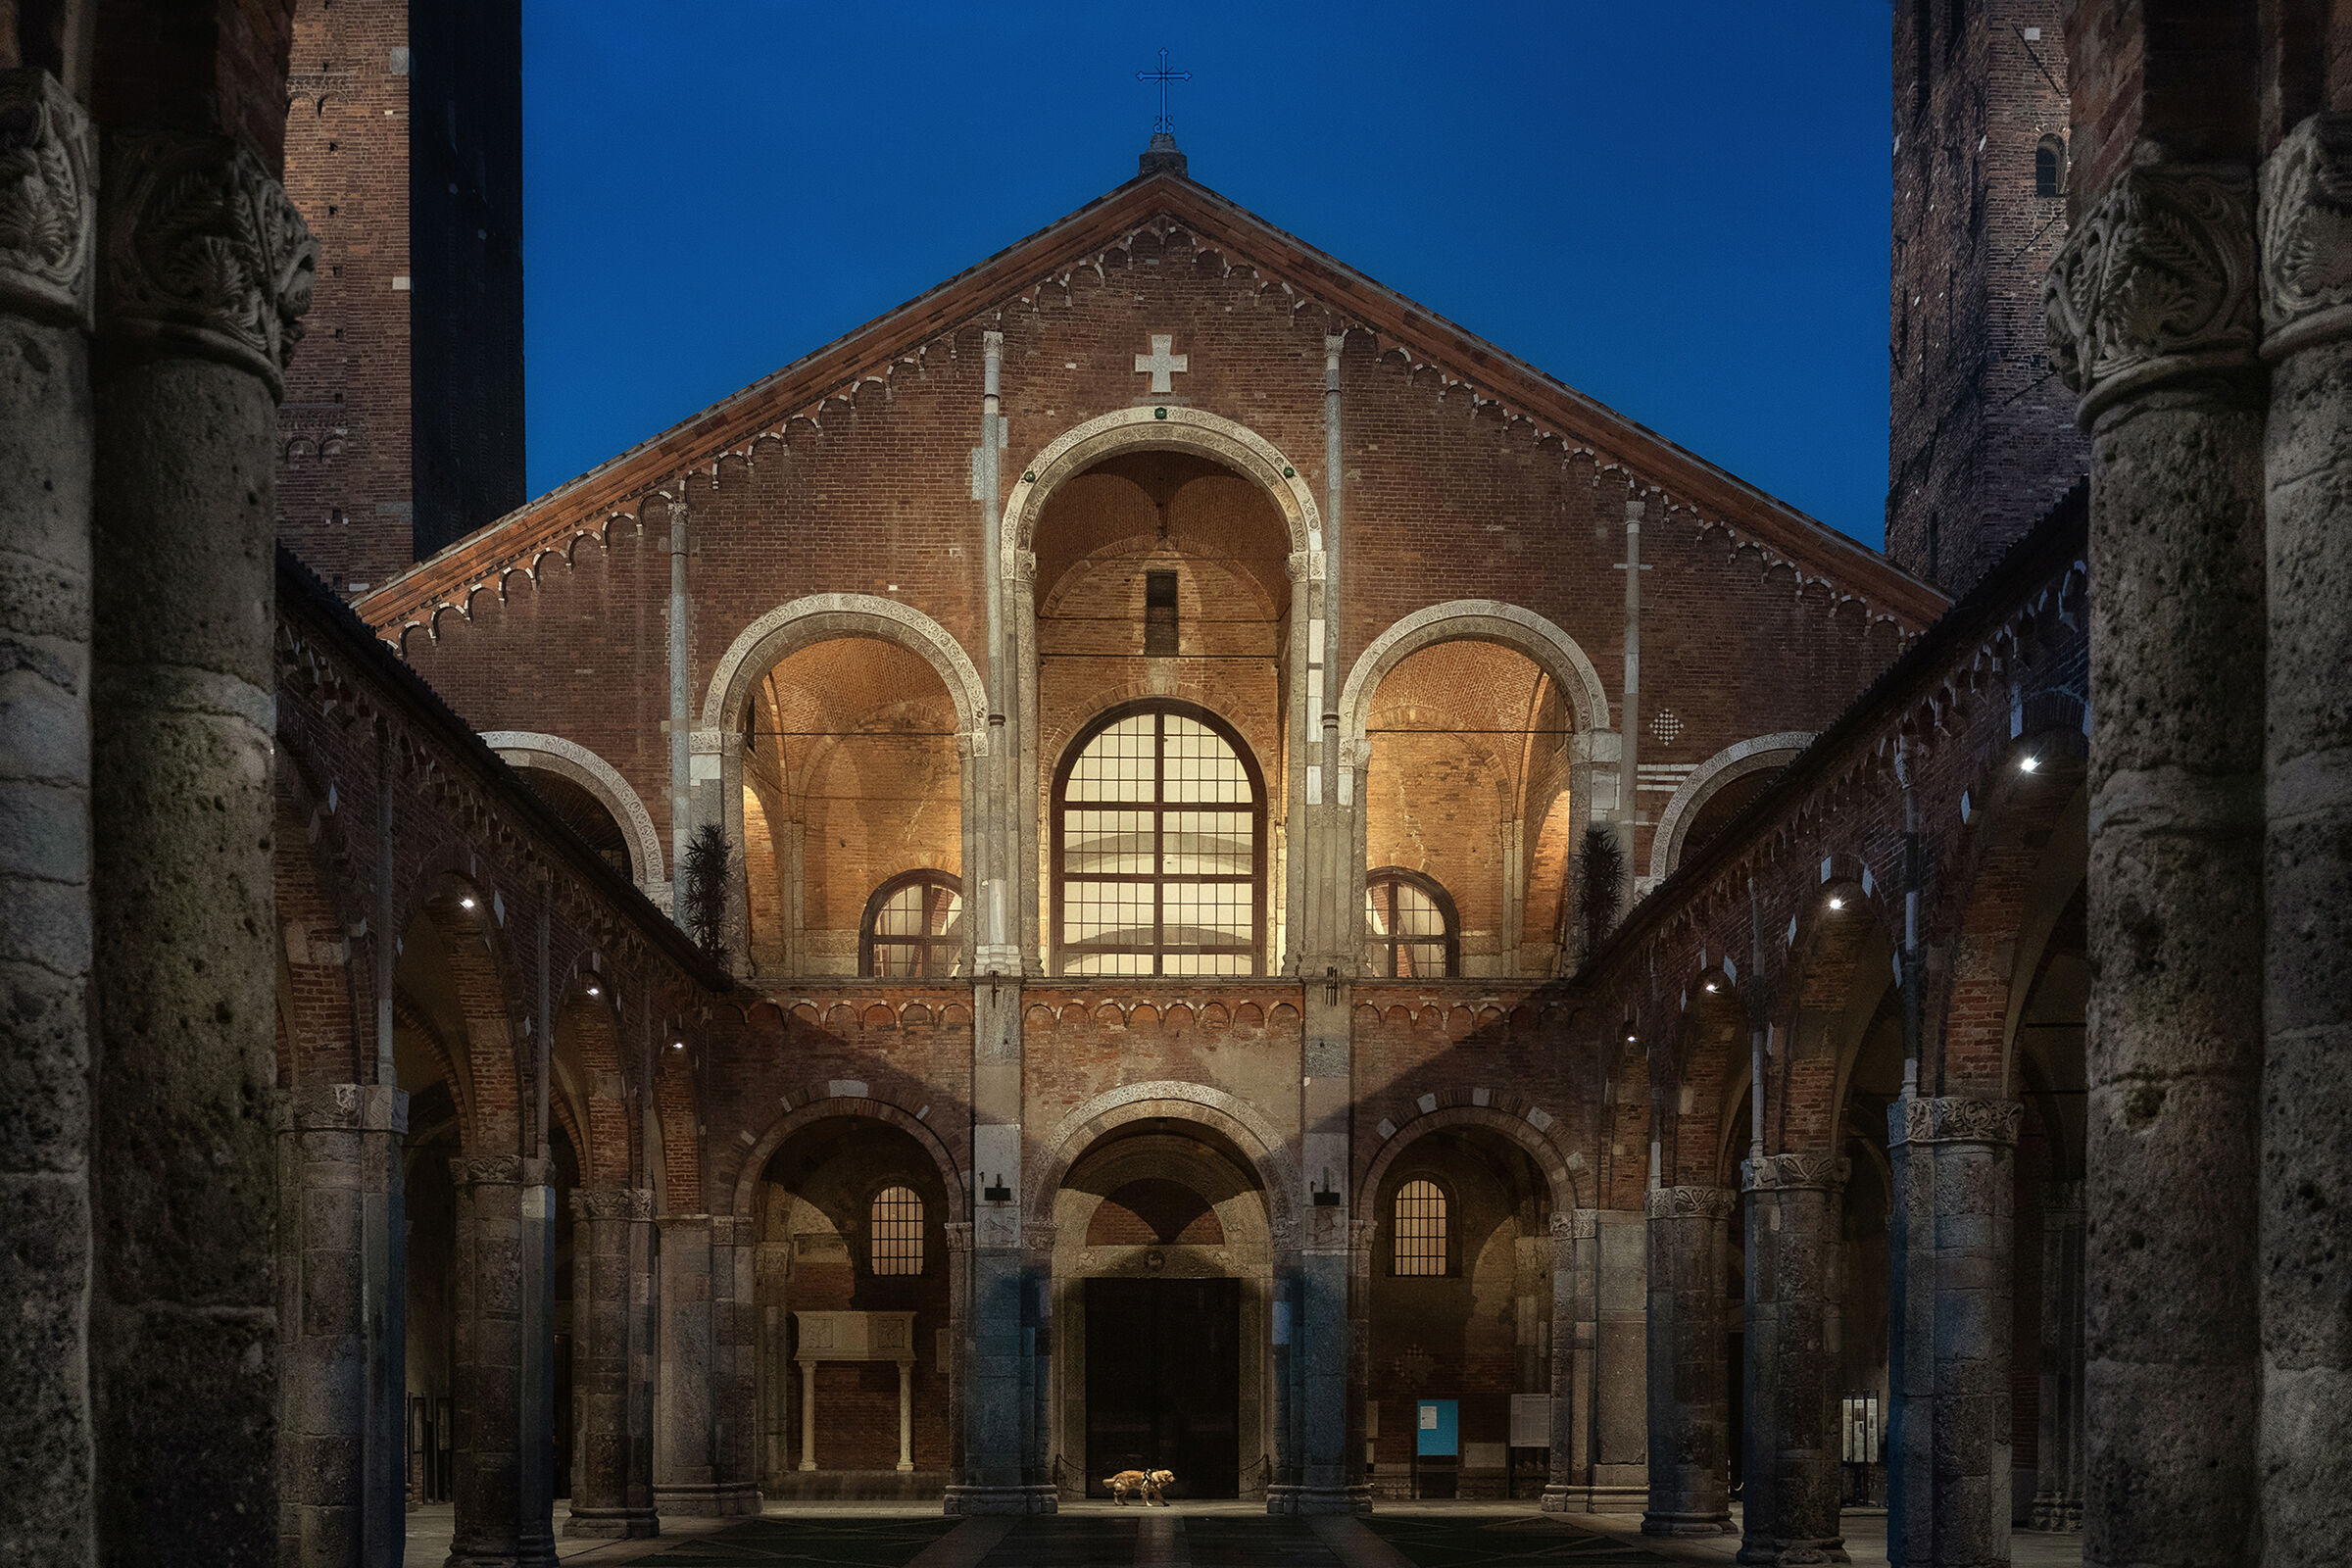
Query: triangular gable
[{"x": 583, "y": 504}]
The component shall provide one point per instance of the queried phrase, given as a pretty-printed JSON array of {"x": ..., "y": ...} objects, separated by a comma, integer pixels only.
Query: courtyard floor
[{"x": 1189, "y": 1534}]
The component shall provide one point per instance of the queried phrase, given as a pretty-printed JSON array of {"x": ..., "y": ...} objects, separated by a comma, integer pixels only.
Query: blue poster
[{"x": 1435, "y": 1426}]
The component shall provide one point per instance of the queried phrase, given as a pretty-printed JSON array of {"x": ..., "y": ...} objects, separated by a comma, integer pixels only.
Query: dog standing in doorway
[{"x": 1145, "y": 1484}]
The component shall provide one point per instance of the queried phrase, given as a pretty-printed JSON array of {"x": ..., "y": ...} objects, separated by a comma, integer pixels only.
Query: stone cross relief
[{"x": 1160, "y": 364}]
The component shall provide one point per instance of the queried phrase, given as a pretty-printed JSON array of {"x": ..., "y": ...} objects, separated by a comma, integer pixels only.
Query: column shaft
[
  {"x": 2306, "y": 1072},
  {"x": 206, "y": 265},
  {"x": 503, "y": 1519},
  {"x": 47, "y": 443},
  {"x": 2173, "y": 400},
  {"x": 1690, "y": 1394},
  {"x": 2058, "y": 1484},
  {"x": 605, "y": 1345},
  {"x": 1790, "y": 1492}
]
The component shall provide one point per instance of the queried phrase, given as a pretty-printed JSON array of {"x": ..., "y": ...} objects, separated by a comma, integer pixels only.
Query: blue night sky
[{"x": 1680, "y": 209}]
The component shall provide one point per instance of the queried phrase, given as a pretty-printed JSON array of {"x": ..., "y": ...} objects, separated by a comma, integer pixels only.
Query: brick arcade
[{"x": 1153, "y": 688}]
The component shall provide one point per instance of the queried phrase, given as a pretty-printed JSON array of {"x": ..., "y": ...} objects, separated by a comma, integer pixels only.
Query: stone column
[
  {"x": 1689, "y": 1398},
  {"x": 342, "y": 1438},
  {"x": 2152, "y": 320},
  {"x": 1789, "y": 1498},
  {"x": 206, "y": 268},
  {"x": 2058, "y": 1485},
  {"x": 1600, "y": 1429},
  {"x": 607, "y": 1349},
  {"x": 734, "y": 1364},
  {"x": 685, "y": 1471},
  {"x": 1948, "y": 1428},
  {"x": 46, "y": 442},
  {"x": 2307, "y": 1074},
  {"x": 1330, "y": 1335},
  {"x": 504, "y": 1515}
]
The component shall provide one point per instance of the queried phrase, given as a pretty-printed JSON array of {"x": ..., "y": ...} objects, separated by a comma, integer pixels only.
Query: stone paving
[{"x": 1192, "y": 1535}]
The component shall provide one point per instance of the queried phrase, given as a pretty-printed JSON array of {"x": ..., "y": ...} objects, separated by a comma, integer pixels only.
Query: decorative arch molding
[
  {"x": 1166, "y": 1099},
  {"x": 1517, "y": 1128},
  {"x": 864, "y": 1107},
  {"x": 1169, "y": 428},
  {"x": 522, "y": 748},
  {"x": 1736, "y": 761},
  {"x": 821, "y": 618},
  {"x": 1490, "y": 621}
]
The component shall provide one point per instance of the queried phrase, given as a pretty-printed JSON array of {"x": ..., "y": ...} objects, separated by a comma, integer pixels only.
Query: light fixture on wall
[
  {"x": 1837, "y": 902},
  {"x": 467, "y": 902},
  {"x": 594, "y": 991},
  {"x": 1710, "y": 986},
  {"x": 2028, "y": 763}
]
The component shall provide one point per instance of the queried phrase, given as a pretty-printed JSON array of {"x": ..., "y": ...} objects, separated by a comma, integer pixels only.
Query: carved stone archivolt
[
  {"x": 48, "y": 198},
  {"x": 2156, "y": 283},
  {"x": 1953, "y": 1119},
  {"x": 203, "y": 252},
  {"x": 1689, "y": 1203},
  {"x": 2307, "y": 236},
  {"x": 1783, "y": 1172}
]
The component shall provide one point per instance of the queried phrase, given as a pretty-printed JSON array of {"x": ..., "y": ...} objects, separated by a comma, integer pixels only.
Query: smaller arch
[
  {"x": 1171, "y": 1099},
  {"x": 1391, "y": 938},
  {"x": 868, "y": 1108},
  {"x": 1552, "y": 650},
  {"x": 936, "y": 955},
  {"x": 1736, "y": 761},
  {"x": 822, "y": 618},
  {"x": 1538, "y": 1145},
  {"x": 2050, "y": 167},
  {"x": 600, "y": 778},
  {"x": 1424, "y": 1240}
]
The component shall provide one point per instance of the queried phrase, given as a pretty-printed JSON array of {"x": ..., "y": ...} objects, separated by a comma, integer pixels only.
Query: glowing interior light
[
  {"x": 2026, "y": 764},
  {"x": 1629, "y": 1040},
  {"x": 1710, "y": 985},
  {"x": 466, "y": 902},
  {"x": 1836, "y": 904},
  {"x": 677, "y": 1045},
  {"x": 592, "y": 991}
]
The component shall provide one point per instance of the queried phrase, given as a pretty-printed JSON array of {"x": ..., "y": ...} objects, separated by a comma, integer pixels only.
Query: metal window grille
[
  {"x": 1420, "y": 1228},
  {"x": 1410, "y": 930},
  {"x": 914, "y": 928},
  {"x": 1159, "y": 849},
  {"x": 897, "y": 1231}
]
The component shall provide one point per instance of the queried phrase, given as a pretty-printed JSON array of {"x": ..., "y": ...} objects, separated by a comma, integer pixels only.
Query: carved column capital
[
  {"x": 203, "y": 252},
  {"x": 1955, "y": 1119},
  {"x": 2155, "y": 284},
  {"x": 1823, "y": 1172},
  {"x": 2307, "y": 236},
  {"x": 1689, "y": 1203},
  {"x": 611, "y": 1202},
  {"x": 959, "y": 1235},
  {"x": 48, "y": 198},
  {"x": 486, "y": 1170}
]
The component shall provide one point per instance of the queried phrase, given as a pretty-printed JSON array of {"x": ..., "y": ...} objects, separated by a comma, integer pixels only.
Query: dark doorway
[{"x": 1163, "y": 1383}]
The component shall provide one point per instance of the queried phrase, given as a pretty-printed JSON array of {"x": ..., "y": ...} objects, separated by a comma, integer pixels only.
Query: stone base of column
[
  {"x": 2055, "y": 1511},
  {"x": 1306, "y": 1502},
  {"x": 1595, "y": 1498},
  {"x": 1685, "y": 1524},
  {"x": 967, "y": 1501},
  {"x": 612, "y": 1524},
  {"x": 1785, "y": 1553},
  {"x": 706, "y": 1500}
]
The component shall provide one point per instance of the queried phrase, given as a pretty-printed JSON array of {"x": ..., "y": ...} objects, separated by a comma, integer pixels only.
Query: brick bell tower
[
  {"x": 1980, "y": 432},
  {"x": 402, "y": 426}
]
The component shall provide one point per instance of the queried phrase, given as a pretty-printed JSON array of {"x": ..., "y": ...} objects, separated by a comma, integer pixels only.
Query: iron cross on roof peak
[{"x": 1163, "y": 125}]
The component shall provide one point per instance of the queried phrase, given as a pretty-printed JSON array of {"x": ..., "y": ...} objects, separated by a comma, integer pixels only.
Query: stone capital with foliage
[
  {"x": 1689, "y": 1203},
  {"x": 2307, "y": 236},
  {"x": 48, "y": 198}
]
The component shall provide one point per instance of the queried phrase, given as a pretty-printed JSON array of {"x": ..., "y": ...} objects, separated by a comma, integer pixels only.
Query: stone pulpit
[{"x": 856, "y": 1337}]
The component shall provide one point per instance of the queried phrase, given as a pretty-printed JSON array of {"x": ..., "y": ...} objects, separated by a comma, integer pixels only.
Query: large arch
[
  {"x": 807, "y": 1114},
  {"x": 1733, "y": 762},
  {"x": 1517, "y": 1129},
  {"x": 1552, "y": 650},
  {"x": 821, "y": 618},
  {"x": 1170, "y": 428},
  {"x": 1167, "y": 1099},
  {"x": 521, "y": 747}
]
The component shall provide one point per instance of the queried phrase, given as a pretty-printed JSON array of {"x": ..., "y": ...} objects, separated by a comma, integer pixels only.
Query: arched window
[
  {"x": 913, "y": 928},
  {"x": 1420, "y": 1247},
  {"x": 2050, "y": 167},
  {"x": 1159, "y": 860},
  {"x": 896, "y": 1235},
  {"x": 1410, "y": 929}
]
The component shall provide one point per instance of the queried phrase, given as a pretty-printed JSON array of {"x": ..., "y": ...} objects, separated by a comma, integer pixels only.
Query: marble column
[
  {"x": 505, "y": 1515},
  {"x": 46, "y": 441},
  {"x": 343, "y": 1429},
  {"x": 2306, "y": 1252},
  {"x": 206, "y": 270},
  {"x": 1948, "y": 1442},
  {"x": 1690, "y": 1396},
  {"x": 2172, "y": 397},
  {"x": 2058, "y": 1448},
  {"x": 611, "y": 1471},
  {"x": 1790, "y": 1492}
]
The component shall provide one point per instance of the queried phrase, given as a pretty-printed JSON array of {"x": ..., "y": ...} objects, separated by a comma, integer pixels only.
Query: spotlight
[
  {"x": 1710, "y": 985},
  {"x": 592, "y": 991},
  {"x": 2026, "y": 764},
  {"x": 677, "y": 1045},
  {"x": 1629, "y": 1039},
  {"x": 466, "y": 902},
  {"x": 1837, "y": 902}
]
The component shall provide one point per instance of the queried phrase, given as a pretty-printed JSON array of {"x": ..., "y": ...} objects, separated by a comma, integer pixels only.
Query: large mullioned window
[
  {"x": 896, "y": 1238},
  {"x": 1159, "y": 862},
  {"x": 1420, "y": 1243},
  {"x": 1409, "y": 926},
  {"x": 913, "y": 928}
]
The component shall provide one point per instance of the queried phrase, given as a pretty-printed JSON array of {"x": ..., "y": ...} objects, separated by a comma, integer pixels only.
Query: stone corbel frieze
[
  {"x": 2156, "y": 283},
  {"x": 202, "y": 252},
  {"x": 48, "y": 199},
  {"x": 2306, "y": 217}
]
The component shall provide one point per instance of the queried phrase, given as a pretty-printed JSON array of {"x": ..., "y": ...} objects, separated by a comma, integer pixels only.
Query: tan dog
[{"x": 1145, "y": 1484}]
